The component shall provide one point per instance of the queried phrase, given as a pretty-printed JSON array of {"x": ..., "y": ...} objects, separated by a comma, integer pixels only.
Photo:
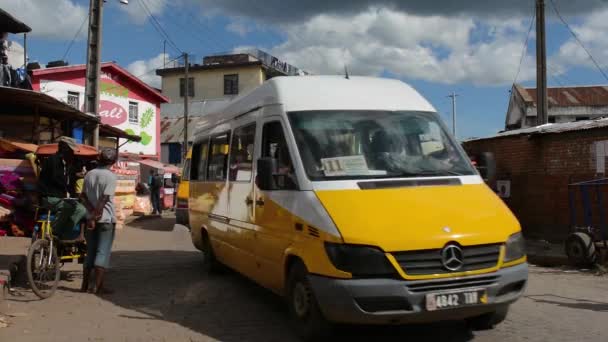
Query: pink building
[{"x": 125, "y": 102}]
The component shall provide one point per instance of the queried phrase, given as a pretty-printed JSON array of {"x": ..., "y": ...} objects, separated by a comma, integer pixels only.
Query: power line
[
  {"x": 67, "y": 51},
  {"x": 525, "y": 47},
  {"x": 158, "y": 27},
  {"x": 194, "y": 33},
  {"x": 578, "y": 40}
]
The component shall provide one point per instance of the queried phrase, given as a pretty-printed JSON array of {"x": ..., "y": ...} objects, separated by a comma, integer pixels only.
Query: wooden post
[
  {"x": 36, "y": 126},
  {"x": 542, "y": 106}
]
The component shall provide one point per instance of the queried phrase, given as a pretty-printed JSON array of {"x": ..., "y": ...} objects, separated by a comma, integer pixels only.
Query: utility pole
[
  {"x": 91, "y": 88},
  {"x": 186, "y": 99},
  {"x": 25, "y": 51},
  {"x": 164, "y": 54},
  {"x": 453, "y": 96},
  {"x": 93, "y": 63},
  {"x": 542, "y": 106}
]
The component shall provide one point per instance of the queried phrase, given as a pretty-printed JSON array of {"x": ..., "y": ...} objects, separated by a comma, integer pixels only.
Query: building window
[
  {"x": 231, "y": 84},
  {"x": 182, "y": 87},
  {"x": 133, "y": 112},
  {"x": 552, "y": 119},
  {"x": 74, "y": 99}
]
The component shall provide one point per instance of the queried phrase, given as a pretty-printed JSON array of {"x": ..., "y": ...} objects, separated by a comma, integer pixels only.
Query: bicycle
[{"x": 47, "y": 253}]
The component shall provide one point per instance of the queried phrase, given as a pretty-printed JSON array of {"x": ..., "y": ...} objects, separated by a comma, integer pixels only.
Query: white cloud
[
  {"x": 145, "y": 69},
  {"x": 55, "y": 19},
  {"x": 592, "y": 33},
  {"x": 139, "y": 14},
  {"x": 433, "y": 48},
  {"x": 239, "y": 27}
]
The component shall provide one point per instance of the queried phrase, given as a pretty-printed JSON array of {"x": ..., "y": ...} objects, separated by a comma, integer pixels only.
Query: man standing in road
[
  {"x": 156, "y": 183},
  {"x": 98, "y": 195}
]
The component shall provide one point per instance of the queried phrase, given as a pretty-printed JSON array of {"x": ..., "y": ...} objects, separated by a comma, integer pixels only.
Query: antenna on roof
[{"x": 346, "y": 72}]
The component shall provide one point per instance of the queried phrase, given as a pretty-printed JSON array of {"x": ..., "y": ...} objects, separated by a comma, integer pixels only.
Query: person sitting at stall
[{"x": 56, "y": 182}]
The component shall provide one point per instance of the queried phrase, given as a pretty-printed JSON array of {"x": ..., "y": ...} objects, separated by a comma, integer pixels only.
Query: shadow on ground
[
  {"x": 573, "y": 303},
  {"x": 154, "y": 223},
  {"x": 170, "y": 286}
]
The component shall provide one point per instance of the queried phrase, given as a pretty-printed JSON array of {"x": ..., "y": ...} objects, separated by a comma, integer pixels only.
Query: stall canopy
[
  {"x": 12, "y": 145},
  {"x": 111, "y": 131},
  {"x": 153, "y": 164},
  {"x": 82, "y": 151},
  {"x": 8, "y": 23},
  {"x": 27, "y": 102},
  {"x": 147, "y": 163}
]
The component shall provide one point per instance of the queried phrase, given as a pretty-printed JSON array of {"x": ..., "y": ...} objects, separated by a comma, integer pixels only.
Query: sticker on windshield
[{"x": 345, "y": 166}]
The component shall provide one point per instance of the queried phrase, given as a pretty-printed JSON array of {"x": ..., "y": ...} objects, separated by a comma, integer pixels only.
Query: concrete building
[
  {"x": 125, "y": 102},
  {"x": 566, "y": 104},
  {"x": 212, "y": 84},
  {"x": 535, "y": 167},
  {"x": 223, "y": 75}
]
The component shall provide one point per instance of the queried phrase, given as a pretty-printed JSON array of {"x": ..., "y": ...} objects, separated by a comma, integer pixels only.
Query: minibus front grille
[
  {"x": 429, "y": 261},
  {"x": 387, "y": 184},
  {"x": 451, "y": 284}
]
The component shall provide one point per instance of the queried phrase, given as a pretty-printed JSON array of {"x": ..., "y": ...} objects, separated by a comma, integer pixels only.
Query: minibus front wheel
[
  {"x": 306, "y": 316},
  {"x": 489, "y": 320}
]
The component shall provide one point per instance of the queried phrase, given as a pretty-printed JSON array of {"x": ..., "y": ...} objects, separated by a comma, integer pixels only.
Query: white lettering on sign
[{"x": 115, "y": 113}]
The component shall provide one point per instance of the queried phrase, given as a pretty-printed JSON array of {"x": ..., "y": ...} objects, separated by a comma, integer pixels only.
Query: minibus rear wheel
[
  {"x": 306, "y": 316},
  {"x": 210, "y": 263}
]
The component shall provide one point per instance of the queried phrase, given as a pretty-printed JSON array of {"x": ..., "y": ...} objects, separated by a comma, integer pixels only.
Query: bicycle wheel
[{"x": 43, "y": 268}]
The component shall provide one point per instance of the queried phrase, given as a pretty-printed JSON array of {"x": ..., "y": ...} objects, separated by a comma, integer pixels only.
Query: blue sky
[{"x": 475, "y": 52}]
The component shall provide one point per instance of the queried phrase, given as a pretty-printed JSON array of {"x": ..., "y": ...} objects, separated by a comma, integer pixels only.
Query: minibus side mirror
[
  {"x": 486, "y": 164},
  {"x": 265, "y": 170}
]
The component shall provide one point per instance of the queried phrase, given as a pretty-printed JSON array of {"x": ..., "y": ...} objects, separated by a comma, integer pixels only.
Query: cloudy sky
[{"x": 472, "y": 47}]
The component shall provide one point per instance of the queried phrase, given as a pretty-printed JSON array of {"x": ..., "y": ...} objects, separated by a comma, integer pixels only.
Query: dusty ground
[{"x": 163, "y": 296}]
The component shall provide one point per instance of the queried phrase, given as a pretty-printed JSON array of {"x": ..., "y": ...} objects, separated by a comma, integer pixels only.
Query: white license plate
[{"x": 448, "y": 300}]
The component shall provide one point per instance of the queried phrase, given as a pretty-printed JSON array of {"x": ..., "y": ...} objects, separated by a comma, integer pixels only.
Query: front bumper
[{"x": 393, "y": 301}]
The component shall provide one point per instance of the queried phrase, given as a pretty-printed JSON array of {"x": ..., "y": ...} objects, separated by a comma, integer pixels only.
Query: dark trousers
[{"x": 155, "y": 198}]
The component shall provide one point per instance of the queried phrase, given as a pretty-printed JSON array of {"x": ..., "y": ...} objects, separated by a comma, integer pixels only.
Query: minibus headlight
[
  {"x": 360, "y": 261},
  {"x": 515, "y": 247}
]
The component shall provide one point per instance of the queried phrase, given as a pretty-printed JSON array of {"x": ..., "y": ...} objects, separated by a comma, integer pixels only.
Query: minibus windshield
[{"x": 376, "y": 144}]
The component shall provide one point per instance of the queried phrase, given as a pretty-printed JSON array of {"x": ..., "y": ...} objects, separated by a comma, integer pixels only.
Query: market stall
[
  {"x": 17, "y": 187},
  {"x": 125, "y": 197}
]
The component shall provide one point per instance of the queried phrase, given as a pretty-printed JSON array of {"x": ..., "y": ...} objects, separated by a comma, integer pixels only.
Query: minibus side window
[
  {"x": 274, "y": 145},
  {"x": 218, "y": 157},
  {"x": 241, "y": 154},
  {"x": 198, "y": 163}
]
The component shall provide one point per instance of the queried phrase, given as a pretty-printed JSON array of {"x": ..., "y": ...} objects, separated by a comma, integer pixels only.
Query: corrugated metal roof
[
  {"x": 568, "y": 96},
  {"x": 195, "y": 108},
  {"x": 553, "y": 128},
  {"x": 172, "y": 129},
  {"x": 172, "y": 122}
]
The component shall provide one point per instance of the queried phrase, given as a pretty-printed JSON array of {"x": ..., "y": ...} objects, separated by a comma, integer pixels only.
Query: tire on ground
[
  {"x": 306, "y": 316},
  {"x": 580, "y": 249},
  {"x": 488, "y": 321},
  {"x": 43, "y": 244}
]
